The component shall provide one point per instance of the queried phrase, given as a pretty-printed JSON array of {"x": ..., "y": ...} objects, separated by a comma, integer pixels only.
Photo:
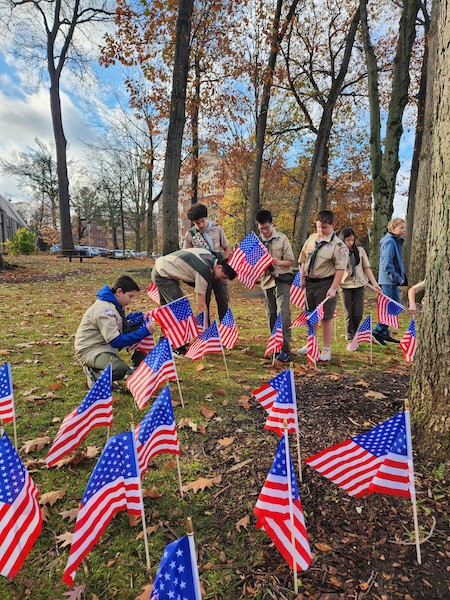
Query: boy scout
[
  {"x": 276, "y": 281},
  {"x": 323, "y": 260}
]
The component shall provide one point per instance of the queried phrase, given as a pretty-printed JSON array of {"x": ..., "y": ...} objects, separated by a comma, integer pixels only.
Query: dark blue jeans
[{"x": 391, "y": 291}]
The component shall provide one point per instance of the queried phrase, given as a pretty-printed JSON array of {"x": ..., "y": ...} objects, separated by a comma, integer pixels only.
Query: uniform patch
[
  {"x": 329, "y": 245},
  {"x": 343, "y": 249},
  {"x": 109, "y": 312}
]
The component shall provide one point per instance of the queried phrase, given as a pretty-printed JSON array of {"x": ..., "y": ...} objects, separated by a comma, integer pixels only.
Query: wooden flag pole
[
  {"x": 299, "y": 455},
  {"x": 179, "y": 475},
  {"x": 273, "y": 358},
  {"x": 195, "y": 575},
  {"x": 291, "y": 507},
  {"x": 15, "y": 431},
  {"x": 224, "y": 359},
  {"x": 390, "y": 299},
  {"x": 371, "y": 342},
  {"x": 412, "y": 486},
  {"x": 144, "y": 525}
]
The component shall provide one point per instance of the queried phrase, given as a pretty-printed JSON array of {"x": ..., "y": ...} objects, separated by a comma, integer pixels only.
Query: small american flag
[
  {"x": 408, "y": 341},
  {"x": 316, "y": 315},
  {"x": 156, "y": 368},
  {"x": 388, "y": 311},
  {"x": 312, "y": 353},
  {"x": 6, "y": 394},
  {"x": 94, "y": 411},
  {"x": 20, "y": 513},
  {"x": 301, "y": 320},
  {"x": 364, "y": 334},
  {"x": 284, "y": 405},
  {"x": 177, "y": 575},
  {"x": 177, "y": 321},
  {"x": 272, "y": 510},
  {"x": 267, "y": 393},
  {"x": 148, "y": 343},
  {"x": 157, "y": 432},
  {"x": 250, "y": 259},
  {"x": 229, "y": 333},
  {"x": 276, "y": 339},
  {"x": 297, "y": 295},
  {"x": 113, "y": 486},
  {"x": 376, "y": 461},
  {"x": 207, "y": 342},
  {"x": 200, "y": 319},
  {"x": 152, "y": 292}
]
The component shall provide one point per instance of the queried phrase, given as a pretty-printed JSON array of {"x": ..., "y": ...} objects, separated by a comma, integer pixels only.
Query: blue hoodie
[
  {"x": 392, "y": 271},
  {"x": 123, "y": 340}
]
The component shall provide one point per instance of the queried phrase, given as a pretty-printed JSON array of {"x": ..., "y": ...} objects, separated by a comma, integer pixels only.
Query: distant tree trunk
[
  {"x": 261, "y": 121},
  {"x": 430, "y": 388},
  {"x": 385, "y": 165},
  {"x": 323, "y": 180},
  {"x": 175, "y": 131},
  {"x": 194, "y": 125},
  {"x": 414, "y": 251},
  {"x": 323, "y": 136}
]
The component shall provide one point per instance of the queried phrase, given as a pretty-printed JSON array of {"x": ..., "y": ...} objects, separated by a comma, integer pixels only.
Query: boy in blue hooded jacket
[
  {"x": 104, "y": 330},
  {"x": 391, "y": 272}
]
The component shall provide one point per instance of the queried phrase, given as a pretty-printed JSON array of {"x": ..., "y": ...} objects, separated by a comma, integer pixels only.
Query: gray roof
[{"x": 8, "y": 208}]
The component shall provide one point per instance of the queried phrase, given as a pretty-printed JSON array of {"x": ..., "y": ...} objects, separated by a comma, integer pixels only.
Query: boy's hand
[
  {"x": 150, "y": 326},
  {"x": 331, "y": 292}
]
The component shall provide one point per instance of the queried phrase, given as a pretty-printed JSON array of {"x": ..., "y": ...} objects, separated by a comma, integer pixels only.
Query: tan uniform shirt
[
  {"x": 331, "y": 257},
  {"x": 360, "y": 277},
  {"x": 174, "y": 267},
  {"x": 280, "y": 248},
  {"x": 217, "y": 235},
  {"x": 101, "y": 323}
]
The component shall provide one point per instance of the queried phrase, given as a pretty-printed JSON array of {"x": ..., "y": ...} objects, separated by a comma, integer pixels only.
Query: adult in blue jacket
[
  {"x": 391, "y": 272},
  {"x": 104, "y": 330}
]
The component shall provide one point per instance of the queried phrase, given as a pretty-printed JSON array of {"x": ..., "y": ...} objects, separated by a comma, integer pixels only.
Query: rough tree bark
[
  {"x": 430, "y": 380},
  {"x": 175, "y": 131}
]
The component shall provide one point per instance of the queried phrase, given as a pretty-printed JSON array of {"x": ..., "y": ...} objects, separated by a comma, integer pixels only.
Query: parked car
[
  {"x": 55, "y": 248},
  {"x": 104, "y": 252}
]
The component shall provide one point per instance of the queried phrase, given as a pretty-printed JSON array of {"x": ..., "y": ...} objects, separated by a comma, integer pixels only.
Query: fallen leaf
[
  {"x": 186, "y": 422},
  {"x": 70, "y": 514},
  {"x": 207, "y": 412},
  {"x": 76, "y": 593},
  {"x": 36, "y": 444},
  {"x": 362, "y": 383},
  {"x": 323, "y": 547},
  {"x": 52, "y": 497},
  {"x": 28, "y": 392},
  {"x": 55, "y": 386},
  {"x": 244, "y": 401},
  {"x": 335, "y": 581},
  {"x": 134, "y": 520},
  {"x": 225, "y": 442},
  {"x": 200, "y": 367},
  {"x": 239, "y": 465},
  {"x": 146, "y": 591},
  {"x": 244, "y": 522},
  {"x": 201, "y": 484},
  {"x": 376, "y": 395},
  {"x": 151, "y": 493},
  {"x": 64, "y": 539},
  {"x": 45, "y": 513},
  {"x": 335, "y": 377},
  {"x": 52, "y": 396},
  {"x": 149, "y": 530}
]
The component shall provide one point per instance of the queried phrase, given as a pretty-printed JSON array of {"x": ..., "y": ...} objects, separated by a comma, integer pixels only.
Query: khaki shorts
[{"x": 316, "y": 293}]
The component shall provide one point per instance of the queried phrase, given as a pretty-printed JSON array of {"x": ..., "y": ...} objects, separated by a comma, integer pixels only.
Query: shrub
[{"x": 22, "y": 243}]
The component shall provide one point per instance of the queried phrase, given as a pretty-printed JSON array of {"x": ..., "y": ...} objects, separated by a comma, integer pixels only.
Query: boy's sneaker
[
  {"x": 180, "y": 351},
  {"x": 90, "y": 377},
  {"x": 378, "y": 339},
  {"x": 129, "y": 372},
  {"x": 325, "y": 355},
  {"x": 391, "y": 340},
  {"x": 301, "y": 351},
  {"x": 283, "y": 356}
]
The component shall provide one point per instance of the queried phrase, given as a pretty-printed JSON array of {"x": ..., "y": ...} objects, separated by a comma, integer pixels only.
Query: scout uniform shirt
[
  {"x": 101, "y": 323},
  {"x": 360, "y": 279},
  {"x": 280, "y": 248},
  {"x": 195, "y": 238},
  {"x": 333, "y": 255},
  {"x": 174, "y": 267}
]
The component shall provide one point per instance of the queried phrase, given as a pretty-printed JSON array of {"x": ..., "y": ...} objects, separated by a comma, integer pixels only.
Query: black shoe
[
  {"x": 391, "y": 340},
  {"x": 283, "y": 356},
  {"x": 378, "y": 339},
  {"x": 181, "y": 351}
]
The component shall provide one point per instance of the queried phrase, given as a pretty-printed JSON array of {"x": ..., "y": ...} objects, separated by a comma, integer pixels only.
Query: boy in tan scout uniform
[
  {"x": 276, "y": 291},
  {"x": 323, "y": 260}
]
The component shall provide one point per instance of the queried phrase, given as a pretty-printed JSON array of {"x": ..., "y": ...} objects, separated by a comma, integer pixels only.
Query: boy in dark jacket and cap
[{"x": 104, "y": 330}]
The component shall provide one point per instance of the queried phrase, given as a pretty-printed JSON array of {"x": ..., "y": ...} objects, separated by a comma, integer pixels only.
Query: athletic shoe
[
  {"x": 181, "y": 351},
  {"x": 391, "y": 340},
  {"x": 283, "y": 357},
  {"x": 301, "y": 351},
  {"x": 378, "y": 339},
  {"x": 129, "y": 372},
  {"x": 325, "y": 355},
  {"x": 90, "y": 376}
]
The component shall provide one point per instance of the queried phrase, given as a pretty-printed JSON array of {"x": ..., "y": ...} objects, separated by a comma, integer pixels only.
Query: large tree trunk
[
  {"x": 385, "y": 165},
  {"x": 175, "y": 131},
  {"x": 194, "y": 124},
  {"x": 323, "y": 136},
  {"x": 430, "y": 380}
]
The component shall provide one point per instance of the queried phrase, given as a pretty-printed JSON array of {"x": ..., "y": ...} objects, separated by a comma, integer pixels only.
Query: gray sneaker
[
  {"x": 129, "y": 372},
  {"x": 301, "y": 351},
  {"x": 90, "y": 377}
]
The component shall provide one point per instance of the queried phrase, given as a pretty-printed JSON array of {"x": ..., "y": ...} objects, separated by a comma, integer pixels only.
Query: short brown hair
[{"x": 126, "y": 284}]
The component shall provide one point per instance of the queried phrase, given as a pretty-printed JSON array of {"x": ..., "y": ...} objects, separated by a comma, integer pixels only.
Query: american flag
[
  {"x": 207, "y": 342},
  {"x": 266, "y": 394},
  {"x": 229, "y": 333},
  {"x": 276, "y": 338},
  {"x": 113, "y": 486},
  {"x": 284, "y": 405},
  {"x": 200, "y": 319},
  {"x": 312, "y": 353},
  {"x": 301, "y": 320},
  {"x": 250, "y": 259},
  {"x": 364, "y": 334},
  {"x": 273, "y": 512},
  {"x": 297, "y": 295},
  {"x": 177, "y": 321},
  {"x": 177, "y": 575},
  {"x": 376, "y": 461},
  {"x": 20, "y": 513},
  {"x": 152, "y": 292},
  {"x": 6, "y": 394},
  {"x": 156, "y": 368},
  {"x": 408, "y": 341},
  {"x": 95, "y": 411},
  {"x": 316, "y": 315},
  {"x": 388, "y": 311},
  {"x": 157, "y": 432},
  {"x": 148, "y": 343}
]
